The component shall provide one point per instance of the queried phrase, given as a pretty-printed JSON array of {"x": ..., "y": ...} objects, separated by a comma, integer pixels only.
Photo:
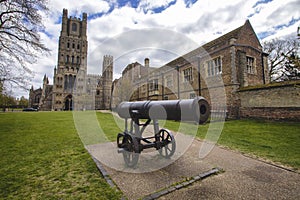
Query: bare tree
[
  {"x": 20, "y": 43},
  {"x": 292, "y": 67},
  {"x": 280, "y": 51}
]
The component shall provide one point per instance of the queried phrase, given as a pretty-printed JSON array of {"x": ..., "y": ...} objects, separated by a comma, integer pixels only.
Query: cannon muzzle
[{"x": 196, "y": 110}]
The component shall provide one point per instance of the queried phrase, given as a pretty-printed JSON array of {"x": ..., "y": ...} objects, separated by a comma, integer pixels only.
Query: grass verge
[
  {"x": 271, "y": 140},
  {"x": 42, "y": 157}
]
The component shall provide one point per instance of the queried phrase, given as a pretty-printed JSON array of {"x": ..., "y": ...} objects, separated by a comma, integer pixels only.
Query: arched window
[
  {"x": 74, "y": 82},
  {"x": 37, "y": 99},
  {"x": 74, "y": 27},
  {"x": 71, "y": 82},
  {"x": 67, "y": 58},
  {"x": 78, "y": 60},
  {"x": 72, "y": 59},
  {"x": 66, "y": 82}
]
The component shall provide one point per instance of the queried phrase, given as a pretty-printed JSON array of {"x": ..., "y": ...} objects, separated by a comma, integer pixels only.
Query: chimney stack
[{"x": 146, "y": 62}]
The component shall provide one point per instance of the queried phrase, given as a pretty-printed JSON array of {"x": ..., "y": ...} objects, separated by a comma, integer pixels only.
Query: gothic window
[
  {"x": 72, "y": 59},
  {"x": 188, "y": 74},
  {"x": 214, "y": 67},
  {"x": 74, "y": 27},
  {"x": 37, "y": 99},
  {"x": 71, "y": 81},
  {"x": 73, "y": 46},
  {"x": 250, "y": 65},
  {"x": 98, "y": 92},
  {"x": 74, "y": 81},
  {"x": 68, "y": 45},
  {"x": 67, "y": 58},
  {"x": 66, "y": 82},
  {"x": 78, "y": 60},
  {"x": 78, "y": 46}
]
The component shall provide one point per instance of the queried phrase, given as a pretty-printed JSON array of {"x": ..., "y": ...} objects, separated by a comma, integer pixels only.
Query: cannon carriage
[{"x": 138, "y": 115}]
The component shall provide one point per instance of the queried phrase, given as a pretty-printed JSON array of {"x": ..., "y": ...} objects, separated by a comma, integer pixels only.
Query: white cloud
[
  {"x": 88, "y": 6},
  {"x": 200, "y": 22},
  {"x": 152, "y": 4},
  {"x": 274, "y": 14}
]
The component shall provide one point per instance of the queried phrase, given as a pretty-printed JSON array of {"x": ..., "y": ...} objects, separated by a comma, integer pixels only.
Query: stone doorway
[{"x": 69, "y": 102}]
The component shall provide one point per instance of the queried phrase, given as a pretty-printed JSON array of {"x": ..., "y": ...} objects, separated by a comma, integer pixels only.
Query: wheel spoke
[
  {"x": 168, "y": 143},
  {"x": 129, "y": 155},
  {"x": 168, "y": 148},
  {"x": 168, "y": 137}
]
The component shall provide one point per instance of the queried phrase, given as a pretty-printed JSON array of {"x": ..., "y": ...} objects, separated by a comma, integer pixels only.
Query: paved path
[{"x": 243, "y": 177}]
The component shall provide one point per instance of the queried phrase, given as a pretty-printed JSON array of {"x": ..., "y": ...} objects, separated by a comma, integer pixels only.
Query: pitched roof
[{"x": 232, "y": 34}]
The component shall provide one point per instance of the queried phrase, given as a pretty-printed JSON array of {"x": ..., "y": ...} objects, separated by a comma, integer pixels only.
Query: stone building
[
  {"x": 215, "y": 70},
  {"x": 34, "y": 97},
  {"x": 124, "y": 87},
  {"x": 231, "y": 72},
  {"x": 72, "y": 87},
  {"x": 104, "y": 86}
]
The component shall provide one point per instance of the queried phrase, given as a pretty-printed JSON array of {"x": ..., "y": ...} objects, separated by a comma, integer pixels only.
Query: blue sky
[{"x": 132, "y": 27}]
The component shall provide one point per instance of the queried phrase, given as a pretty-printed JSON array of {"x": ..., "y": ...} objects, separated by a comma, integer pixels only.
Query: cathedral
[
  {"x": 223, "y": 66},
  {"x": 231, "y": 72},
  {"x": 73, "y": 88}
]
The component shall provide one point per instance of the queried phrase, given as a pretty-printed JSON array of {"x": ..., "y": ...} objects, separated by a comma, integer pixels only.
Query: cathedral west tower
[{"x": 71, "y": 68}]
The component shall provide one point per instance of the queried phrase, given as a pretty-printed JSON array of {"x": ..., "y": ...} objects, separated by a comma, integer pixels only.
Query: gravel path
[{"x": 242, "y": 177}]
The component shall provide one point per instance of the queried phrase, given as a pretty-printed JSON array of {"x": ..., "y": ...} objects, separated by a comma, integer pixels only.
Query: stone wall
[{"x": 279, "y": 101}]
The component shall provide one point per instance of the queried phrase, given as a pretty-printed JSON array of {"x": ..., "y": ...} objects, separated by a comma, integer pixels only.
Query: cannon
[{"x": 140, "y": 113}]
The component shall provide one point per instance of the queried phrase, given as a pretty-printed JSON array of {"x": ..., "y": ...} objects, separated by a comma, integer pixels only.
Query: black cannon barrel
[{"x": 196, "y": 110}]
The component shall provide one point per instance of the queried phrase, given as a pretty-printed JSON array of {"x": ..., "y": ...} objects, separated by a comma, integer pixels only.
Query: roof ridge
[{"x": 234, "y": 32}]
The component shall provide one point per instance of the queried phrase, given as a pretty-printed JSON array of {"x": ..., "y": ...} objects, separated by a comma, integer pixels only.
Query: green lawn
[
  {"x": 42, "y": 157},
  {"x": 274, "y": 141}
]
